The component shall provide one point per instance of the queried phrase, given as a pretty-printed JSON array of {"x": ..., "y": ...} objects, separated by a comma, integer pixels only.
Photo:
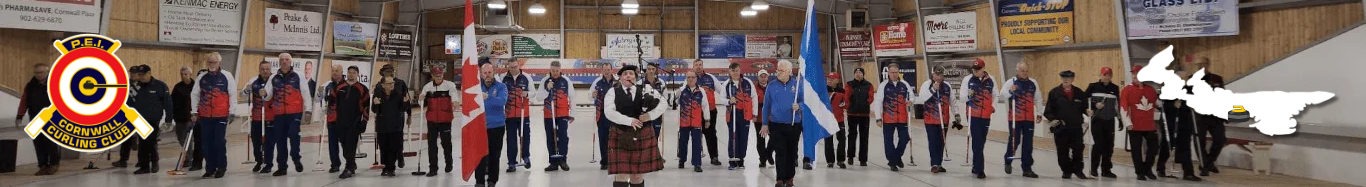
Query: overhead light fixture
[
  {"x": 748, "y": 12},
  {"x": 630, "y": 4},
  {"x": 759, "y": 5},
  {"x": 630, "y": 11},
  {"x": 498, "y": 4},
  {"x": 536, "y": 9}
]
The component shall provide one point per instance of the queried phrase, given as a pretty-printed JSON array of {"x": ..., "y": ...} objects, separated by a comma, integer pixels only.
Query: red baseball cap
[
  {"x": 1136, "y": 68},
  {"x": 437, "y": 70},
  {"x": 979, "y": 63},
  {"x": 1106, "y": 71},
  {"x": 833, "y": 76}
]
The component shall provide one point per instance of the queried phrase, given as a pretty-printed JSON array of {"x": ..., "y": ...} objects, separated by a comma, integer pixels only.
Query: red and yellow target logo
[{"x": 88, "y": 87}]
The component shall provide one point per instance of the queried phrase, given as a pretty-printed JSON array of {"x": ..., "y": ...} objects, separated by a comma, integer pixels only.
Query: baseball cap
[{"x": 1106, "y": 71}]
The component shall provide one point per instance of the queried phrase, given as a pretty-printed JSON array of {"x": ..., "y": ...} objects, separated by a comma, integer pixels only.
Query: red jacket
[
  {"x": 1134, "y": 99},
  {"x": 838, "y": 102}
]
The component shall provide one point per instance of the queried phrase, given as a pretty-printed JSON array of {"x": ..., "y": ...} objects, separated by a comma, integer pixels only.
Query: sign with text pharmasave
[
  {"x": 897, "y": 39},
  {"x": 354, "y": 38},
  {"x": 214, "y": 22},
  {"x": 53, "y": 15},
  {"x": 396, "y": 44},
  {"x": 1035, "y": 22},
  {"x": 951, "y": 32},
  {"x": 536, "y": 45},
  {"x": 1177, "y": 19},
  {"x": 294, "y": 30}
]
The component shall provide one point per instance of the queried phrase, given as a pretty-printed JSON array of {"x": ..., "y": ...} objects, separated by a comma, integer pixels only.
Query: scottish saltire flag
[
  {"x": 473, "y": 136},
  {"x": 817, "y": 120}
]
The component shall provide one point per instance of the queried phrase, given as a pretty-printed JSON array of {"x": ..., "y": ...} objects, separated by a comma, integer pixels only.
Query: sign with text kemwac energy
[
  {"x": 536, "y": 45},
  {"x": 53, "y": 15},
  {"x": 896, "y": 39},
  {"x": 494, "y": 46},
  {"x": 396, "y": 44},
  {"x": 855, "y": 45},
  {"x": 721, "y": 46},
  {"x": 767, "y": 46},
  {"x": 1035, "y": 22},
  {"x": 294, "y": 30},
  {"x": 1176, "y": 19},
  {"x": 215, "y": 22},
  {"x": 951, "y": 32},
  {"x": 354, "y": 38}
]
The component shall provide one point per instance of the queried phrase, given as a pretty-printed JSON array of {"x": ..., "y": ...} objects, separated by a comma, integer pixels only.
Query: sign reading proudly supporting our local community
[
  {"x": 64, "y": 15},
  {"x": 294, "y": 30},
  {"x": 1035, "y": 22},
  {"x": 354, "y": 38},
  {"x": 897, "y": 39},
  {"x": 951, "y": 32},
  {"x": 536, "y": 45},
  {"x": 721, "y": 46},
  {"x": 214, "y": 22},
  {"x": 1176, "y": 19}
]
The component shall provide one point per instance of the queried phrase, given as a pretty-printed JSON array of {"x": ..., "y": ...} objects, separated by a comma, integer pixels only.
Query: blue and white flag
[{"x": 817, "y": 120}]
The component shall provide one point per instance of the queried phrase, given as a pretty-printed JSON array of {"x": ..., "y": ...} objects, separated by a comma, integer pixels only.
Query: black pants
[
  {"x": 761, "y": 143},
  {"x": 858, "y": 137},
  {"x": 1215, "y": 129},
  {"x": 1183, "y": 142},
  {"x": 1070, "y": 147},
  {"x": 488, "y": 167},
  {"x": 127, "y": 147},
  {"x": 390, "y": 149},
  {"x": 1103, "y": 133},
  {"x": 442, "y": 132},
  {"x": 709, "y": 133},
  {"x": 1179, "y": 128},
  {"x": 349, "y": 140},
  {"x": 785, "y": 137},
  {"x": 1145, "y": 146},
  {"x": 182, "y": 131},
  {"x": 147, "y": 147},
  {"x": 834, "y": 146},
  {"x": 47, "y": 151}
]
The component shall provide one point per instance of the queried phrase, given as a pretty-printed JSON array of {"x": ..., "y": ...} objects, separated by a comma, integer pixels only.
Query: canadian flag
[{"x": 474, "y": 139}]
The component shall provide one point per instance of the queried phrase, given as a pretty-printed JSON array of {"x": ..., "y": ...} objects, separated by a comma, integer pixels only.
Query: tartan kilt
[{"x": 633, "y": 151}]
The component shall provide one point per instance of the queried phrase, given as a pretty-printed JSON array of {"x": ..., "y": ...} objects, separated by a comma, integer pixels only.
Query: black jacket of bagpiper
[
  {"x": 1068, "y": 110},
  {"x": 389, "y": 113},
  {"x": 152, "y": 100}
]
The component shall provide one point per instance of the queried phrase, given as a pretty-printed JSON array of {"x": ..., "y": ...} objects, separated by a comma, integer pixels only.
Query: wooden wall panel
[
  {"x": 583, "y": 45},
  {"x": 678, "y": 19},
  {"x": 950, "y": 2},
  {"x": 1045, "y": 66},
  {"x": 1094, "y": 21},
  {"x": 450, "y": 18},
  {"x": 581, "y": 19},
  {"x": 618, "y": 2},
  {"x": 723, "y": 16},
  {"x": 678, "y": 45},
  {"x": 134, "y": 20},
  {"x": 22, "y": 49},
  {"x": 903, "y": 6},
  {"x": 348, "y": 6},
  {"x": 391, "y": 12},
  {"x": 1269, "y": 35},
  {"x": 549, "y": 20}
]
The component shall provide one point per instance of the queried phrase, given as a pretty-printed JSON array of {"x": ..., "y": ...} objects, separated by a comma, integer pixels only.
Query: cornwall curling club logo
[{"x": 88, "y": 86}]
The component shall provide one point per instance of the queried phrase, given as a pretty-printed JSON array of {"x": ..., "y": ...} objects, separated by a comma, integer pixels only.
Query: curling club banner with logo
[
  {"x": 1177, "y": 19},
  {"x": 1035, "y": 22}
]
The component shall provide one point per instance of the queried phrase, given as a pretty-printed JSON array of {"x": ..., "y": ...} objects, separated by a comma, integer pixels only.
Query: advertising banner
[
  {"x": 855, "y": 45},
  {"x": 951, "y": 32},
  {"x": 213, "y": 22},
  {"x": 766, "y": 46},
  {"x": 1176, "y": 19},
  {"x": 536, "y": 45},
  {"x": 294, "y": 30},
  {"x": 494, "y": 46},
  {"x": 623, "y": 46},
  {"x": 721, "y": 46},
  {"x": 1035, "y": 22},
  {"x": 628, "y": 40},
  {"x": 365, "y": 72},
  {"x": 906, "y": 65},
  {"x": 896, "y": 39},
  {"x": 53, "y": 15},
  {"x": 396, "y": 44},
  {"x": 354, "y": 38},
  {"x": 453, "y": 44}
]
